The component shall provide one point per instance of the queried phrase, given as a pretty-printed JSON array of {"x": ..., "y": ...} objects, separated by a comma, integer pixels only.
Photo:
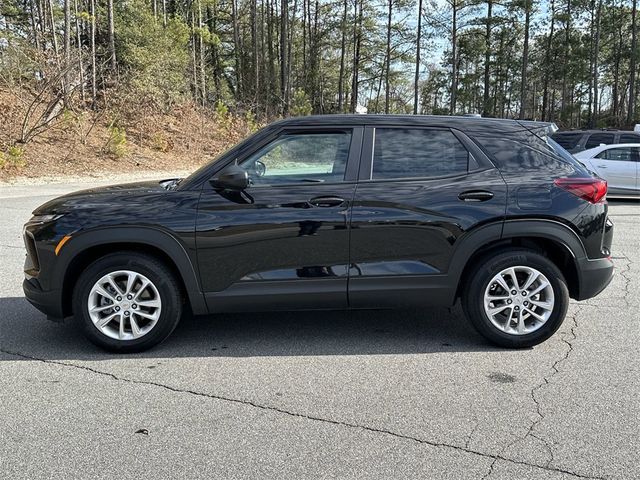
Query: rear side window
[
  {"x": 597, "y": 139},
  {"x": 417, "y": 153},
  {"x": 623, "y": 154},
  {"x": 513, "y": 157},
  {"x": 629, "y": 138},
  {"x": 567, "y": 141}
]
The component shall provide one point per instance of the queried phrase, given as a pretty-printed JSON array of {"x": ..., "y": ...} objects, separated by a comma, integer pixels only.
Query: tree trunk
[
  {"x": 236, "y": 49},
  {"x": 596, "y": 52},
  {"x": 343, "y": 44},
  {"x": 525, "y": 60},
  {"x": 54, "y": 37},
  {"x": 254, "y": 49},
  {"x": 67, "y": 52},
  {"x": 454, "y": 57},
  {"x": 94, "y": 87},
  {"x": 486, "y": 105},
  {"x": 633, "y": 64},
  {"x": 284, "y": 10},
  {"x": 356, "y": 54},
  {"x": 567, "y": 55},
  {"x": 34, "y": 28},
  {"x": 547, "y": 64},
  {"x": 112, "y": 36},
  {"x": 388, "y": 60},
  {"x": 80, "y": 56},
  {"x": 416, "y": 80},
  {"x": 203, "y": 77}
]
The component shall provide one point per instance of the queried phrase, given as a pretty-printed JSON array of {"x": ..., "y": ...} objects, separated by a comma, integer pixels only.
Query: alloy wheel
[
  {"x": 519, "y": 300},
  {"x": 124, "y": 305}
]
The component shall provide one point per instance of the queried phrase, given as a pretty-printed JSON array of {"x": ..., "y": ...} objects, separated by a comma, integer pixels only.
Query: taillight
[{"x": 592, "y": 190}]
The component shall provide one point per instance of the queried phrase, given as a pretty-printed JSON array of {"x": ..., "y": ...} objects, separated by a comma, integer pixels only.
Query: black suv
[
  {"x": 575, "y": 141},
  {"x": 333, "y": 212}
]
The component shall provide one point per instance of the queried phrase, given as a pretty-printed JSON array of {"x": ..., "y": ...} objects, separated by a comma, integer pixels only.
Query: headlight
[{"x": 39, "y": 219}]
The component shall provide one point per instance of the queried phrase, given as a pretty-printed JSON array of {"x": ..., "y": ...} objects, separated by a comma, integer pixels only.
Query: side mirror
[{"x": 232, "y": 177}]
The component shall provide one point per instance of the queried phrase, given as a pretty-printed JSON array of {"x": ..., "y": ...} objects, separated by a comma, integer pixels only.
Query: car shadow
[{"x": 26, "y": 331}]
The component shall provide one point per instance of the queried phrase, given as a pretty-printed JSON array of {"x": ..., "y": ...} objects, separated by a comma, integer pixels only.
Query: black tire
[
  {"x": 156, "y": 271},
  {"x": 483, "y": 273}
]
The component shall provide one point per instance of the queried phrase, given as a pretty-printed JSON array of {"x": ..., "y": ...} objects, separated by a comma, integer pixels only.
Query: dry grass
[{"x": 126, "y": 140}]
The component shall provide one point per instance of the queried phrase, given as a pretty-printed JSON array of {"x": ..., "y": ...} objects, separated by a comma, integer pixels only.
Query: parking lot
[{"x": 370, "y": 394}]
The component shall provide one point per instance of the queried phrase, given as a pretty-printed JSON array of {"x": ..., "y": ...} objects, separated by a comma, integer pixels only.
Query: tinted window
[
  {"x": 629, "y": 138},
  {"x": 624, "y": 154},
  {"x": 562, "y": 153},
  {"x": 412, "y": 152},
  {"x": 512, "y": 156},
  {"x": 596, "y": 139},
  {"x": 307, "y": 157},
  {"x": 567, "y": 140}
]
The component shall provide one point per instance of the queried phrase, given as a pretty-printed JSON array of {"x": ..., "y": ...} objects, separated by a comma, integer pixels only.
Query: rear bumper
[
  {"x": 48, "y": 302},
  {"x": 594, "y": 275}
]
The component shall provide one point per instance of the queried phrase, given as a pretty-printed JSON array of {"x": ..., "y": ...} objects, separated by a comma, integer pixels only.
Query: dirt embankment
[{"x": 104, "y": 144}]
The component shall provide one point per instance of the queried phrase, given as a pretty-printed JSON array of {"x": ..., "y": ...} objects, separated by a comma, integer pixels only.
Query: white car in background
[{"x": 618, "y": 164}]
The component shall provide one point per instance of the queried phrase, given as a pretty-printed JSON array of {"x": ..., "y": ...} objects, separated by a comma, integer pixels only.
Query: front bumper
[
  {"x": 48, "y": 302},
  {"x": 594, "y": 276}
]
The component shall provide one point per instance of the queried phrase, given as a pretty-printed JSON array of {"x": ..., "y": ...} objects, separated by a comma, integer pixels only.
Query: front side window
[
  {"x": 417, "y": 153},
  {"x": 597, "y": 139},
  {"x": 625, "y": 154},
  {"x": 299, "y": 158}
]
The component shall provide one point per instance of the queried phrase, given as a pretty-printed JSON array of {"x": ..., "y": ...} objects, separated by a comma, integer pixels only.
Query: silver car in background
[{"x": 618, "y": 164}]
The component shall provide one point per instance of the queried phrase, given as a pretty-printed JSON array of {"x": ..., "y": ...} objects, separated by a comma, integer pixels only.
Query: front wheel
[
  {"x": 127, "y": 302},
  {"x": 516, "y": 298}
]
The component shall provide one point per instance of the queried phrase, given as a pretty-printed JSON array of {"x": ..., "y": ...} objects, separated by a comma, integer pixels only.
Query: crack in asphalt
[
  {"x": 545, "y": 381},
  {"x": 290, "y": 413},
  {"x": 473, "y": 430}
]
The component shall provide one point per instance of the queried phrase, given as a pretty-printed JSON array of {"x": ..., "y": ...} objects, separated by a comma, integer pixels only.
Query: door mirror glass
[{"x": 232, "y": 177}]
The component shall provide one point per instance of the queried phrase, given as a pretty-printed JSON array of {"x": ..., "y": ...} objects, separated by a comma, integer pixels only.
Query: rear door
[
  {"x": 618, "y": 166},
  {"x": 420, "y": 191}
]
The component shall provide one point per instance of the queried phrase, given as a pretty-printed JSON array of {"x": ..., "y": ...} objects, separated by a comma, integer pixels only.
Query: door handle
[
  {"x": 329, "y": 201},
  {"x": 476, "y": 196},
  {"x": 602, "y": 166}
]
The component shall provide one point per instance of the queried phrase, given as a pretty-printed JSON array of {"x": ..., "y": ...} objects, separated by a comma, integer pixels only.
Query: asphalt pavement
[{"x": 375, "y": 394}]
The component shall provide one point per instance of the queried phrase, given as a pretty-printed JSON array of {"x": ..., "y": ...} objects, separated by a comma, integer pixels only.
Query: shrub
[
  {"x": 160, "y": 142},
  {"x": 117, "y": 143},
  {"x": 300, "y": 104},
  {"x": 12, "y": 157}
]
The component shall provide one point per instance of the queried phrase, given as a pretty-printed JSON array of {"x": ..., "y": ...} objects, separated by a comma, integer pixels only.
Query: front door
[{"x": 283, "y": 242}]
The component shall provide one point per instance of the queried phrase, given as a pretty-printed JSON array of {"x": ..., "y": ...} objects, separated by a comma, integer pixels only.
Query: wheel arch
[
  {"x": 550, "y": 238},
  {"x": 85, "y": 248}
]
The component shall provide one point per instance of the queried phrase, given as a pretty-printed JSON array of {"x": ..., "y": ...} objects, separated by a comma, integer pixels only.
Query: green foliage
[
  {"x": 160, "y": 142},
  {"x": 117, "y": 143},
  {"x": 250, "y": 119},
  {"x": 12, "y": 157},
  {"x": 300, "y": 104},
  {"x": 222, "y": 115},
  {"x": 155, "y": 59}
]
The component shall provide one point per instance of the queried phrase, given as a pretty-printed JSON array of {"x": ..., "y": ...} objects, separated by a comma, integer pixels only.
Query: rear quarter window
[{"x": 512, "y": 157}]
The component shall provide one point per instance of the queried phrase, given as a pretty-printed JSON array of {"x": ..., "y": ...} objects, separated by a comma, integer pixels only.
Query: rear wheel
[
  {"x": 127, "y": 302},
  {"x": 516, "y": 298}
]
